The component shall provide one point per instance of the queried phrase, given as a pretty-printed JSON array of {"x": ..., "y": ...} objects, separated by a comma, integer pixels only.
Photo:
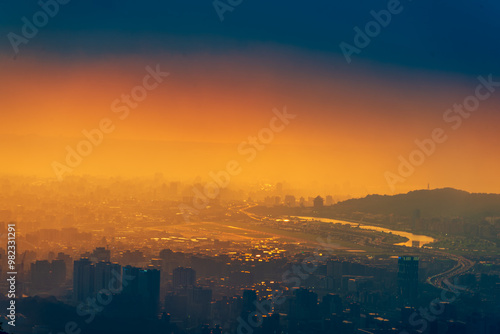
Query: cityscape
[
  {"x": 246, "y": 167},
  {"x": 126, "y": 260}
]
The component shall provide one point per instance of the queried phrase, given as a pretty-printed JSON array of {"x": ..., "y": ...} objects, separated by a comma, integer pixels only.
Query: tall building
[
  {"x": 105, "y": 276},
  {"x": 132, "y": 287},
  {"x": 149, "y": 289},
  {"x": 248, "y": 303},
  {"x": 304, "y": 305},
  {"x": 67, "y": 260},
  {"x": 331, "y": 303},
  {"x": 144, "y": 289},
  {"x": 101, "y": 254},
  {"x": 199, "y": 302},
  {"x": 318, "y": 202},
  {"x": 47, "y": 275},
  {"x": 40, "y": 275},
  {"x": 176, "y": 304},
  {"x": 83, "y": 280},
  {"x": 58, "y": 272},
  {"x": 337, "y": 269},
  {"x": 183, "y": 277},
  {"x": 408, "y": 279}
]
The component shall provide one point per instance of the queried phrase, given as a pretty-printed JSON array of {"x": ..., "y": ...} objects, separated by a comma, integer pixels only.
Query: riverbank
[{"x": 422, "y": 239}]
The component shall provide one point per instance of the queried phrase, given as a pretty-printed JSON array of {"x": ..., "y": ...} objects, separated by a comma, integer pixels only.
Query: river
[{"x": 422, "y": 239}]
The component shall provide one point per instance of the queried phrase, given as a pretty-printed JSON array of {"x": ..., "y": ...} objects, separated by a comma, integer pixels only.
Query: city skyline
[{"x": 249, "y": 167}]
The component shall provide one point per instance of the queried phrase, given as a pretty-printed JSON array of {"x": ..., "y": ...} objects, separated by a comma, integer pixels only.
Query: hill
[{"x": 446, "y": 202}]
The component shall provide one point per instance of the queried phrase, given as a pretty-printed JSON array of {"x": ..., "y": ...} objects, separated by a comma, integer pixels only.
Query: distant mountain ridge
[{"x": 447, "y": 202}]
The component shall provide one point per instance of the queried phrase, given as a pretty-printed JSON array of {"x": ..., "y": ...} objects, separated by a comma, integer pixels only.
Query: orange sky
[{"x": 350, "y": 126}]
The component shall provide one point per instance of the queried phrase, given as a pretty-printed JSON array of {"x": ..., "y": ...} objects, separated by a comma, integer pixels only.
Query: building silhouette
[
  {"x": 83, "y": 280},
  {"x": 183, "y": 277},
  {"x": 304, "y": 305},
  {"x": 318, "y": 202},
  {"x": 101, "y": 254},
  {"x": 40, "y": 275},
  {"x": 105, "y": 276},
  {"x": 408, "y": 279},
  {"x": 143, "y": 289}
]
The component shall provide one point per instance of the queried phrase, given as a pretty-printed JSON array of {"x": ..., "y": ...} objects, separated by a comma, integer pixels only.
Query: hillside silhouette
[{"x": 446, "y": 202}]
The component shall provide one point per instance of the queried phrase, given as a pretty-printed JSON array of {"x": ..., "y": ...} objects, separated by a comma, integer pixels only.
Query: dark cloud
[{"x": 445, "y": 35}]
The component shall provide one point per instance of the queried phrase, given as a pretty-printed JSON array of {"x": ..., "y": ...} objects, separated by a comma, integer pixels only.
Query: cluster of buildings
[
  {"x": 292, "y": 201},
  {"x": 229, "y": 292}
]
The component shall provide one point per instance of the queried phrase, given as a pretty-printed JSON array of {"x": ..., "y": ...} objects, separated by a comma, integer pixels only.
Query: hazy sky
[{"x": 225, "y": 77}]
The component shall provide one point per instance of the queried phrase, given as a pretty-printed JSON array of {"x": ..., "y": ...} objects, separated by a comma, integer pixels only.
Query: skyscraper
[
  {"x": 149, "y": 289},
  {"x": 183, "y": 277},
  {"x": 199, "y": 302},
  {"x": 40, "y": 275},
  {"x": 58, "y": 272},
  {"x": 331, "y": 303},
  {"x": 105, "y": 275},
  {"x": 304, "y": 305},
  {"x": 83, "y": 280},
  {"x": 47, "y": 275},
  {"x": 144, "y": 289},
  {"x": 132, "y": 287},
  {"x": 249, "y": 299},
  {"x": 408, "y": 279}
]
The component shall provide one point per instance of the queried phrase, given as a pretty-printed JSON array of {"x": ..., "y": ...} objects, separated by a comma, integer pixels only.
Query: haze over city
[{"x": 232, "y": 166}]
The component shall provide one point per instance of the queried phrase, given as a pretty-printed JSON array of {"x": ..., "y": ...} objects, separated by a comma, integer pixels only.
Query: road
[{"x": 462, "y": 264}]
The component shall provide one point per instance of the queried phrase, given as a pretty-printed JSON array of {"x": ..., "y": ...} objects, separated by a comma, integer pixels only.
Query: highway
[{"x": 462, "y": 264}]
